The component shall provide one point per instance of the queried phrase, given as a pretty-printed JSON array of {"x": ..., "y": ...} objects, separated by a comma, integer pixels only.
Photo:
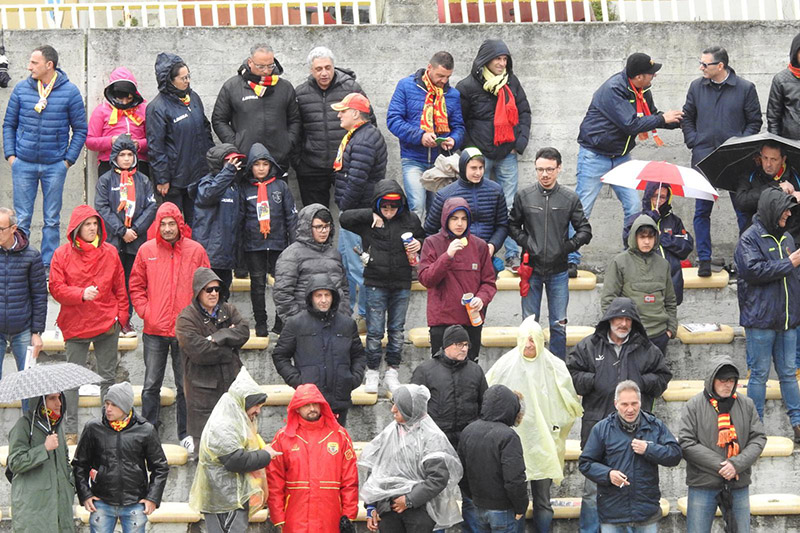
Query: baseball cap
[
  {"x": 355, "y": 101},
  {"x": 640, "y": 63}
]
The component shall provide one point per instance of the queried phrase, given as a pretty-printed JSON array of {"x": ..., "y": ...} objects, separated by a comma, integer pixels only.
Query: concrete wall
[{"x": 560, "y": 66}]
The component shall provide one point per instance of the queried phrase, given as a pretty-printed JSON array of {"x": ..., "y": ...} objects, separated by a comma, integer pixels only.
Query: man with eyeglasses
[
  {"x": 541, "y": 217},
  {"x": 719, "y": 105},
  {"x": 257, "y": 105}
]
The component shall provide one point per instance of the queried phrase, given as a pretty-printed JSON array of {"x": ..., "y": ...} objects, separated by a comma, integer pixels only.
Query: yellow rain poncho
[
  {"x": 215, "y": 489},
  {"x": 551, "y": 404}
]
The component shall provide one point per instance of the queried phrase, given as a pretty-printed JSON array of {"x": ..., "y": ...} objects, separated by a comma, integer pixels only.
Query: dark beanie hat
[
  {"x": 453, "y": 335},
  {"x": 254, "y": 399}
]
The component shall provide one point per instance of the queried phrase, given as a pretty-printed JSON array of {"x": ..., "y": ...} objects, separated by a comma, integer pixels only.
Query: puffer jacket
[
  {"x": 23, "y": 288},
  {"x": 699, "y": 433},
  {"x": 322, "y": 348},
  {"x": 242, "y": 118},
  {"x": 218, "y": 208},
  {"x": 596, "y": 369},
  {"x": 178, "y": 136},
  {"x": 448, "y": 279},
  {"x": 674, "y": 242},
  {"x": 609, "y": 448},
  {"x": 73, "y": 269},
  {"x": 405, "y": 111},
  {"x": 487, "y": 204},
  {"x": 457, "y": 391},
  {"x": 491, "y": 452},
  {"x": 783, "y": 106},
  {"x": 321, "y": 133},
  {"x": 539, "y": 222},
  {"x": 611, "y": 124},
  {"x": 45, "y": 137},
  {"x": 646, "y": 279},
  {"x": 363, "y": 165},
  {"x": 478, "y": 105},
  {"x": 210, "y": 351},
  {"x": 130, "y": 464},
  {"x": 301, "y": 260},
  {"x": 388, "y": 265},
  {"x": 161, "y": 278},
  {"x": 282, "y": 209},
  {"x": 769, "y": 285},
  {"x": 101, "y": 132},
  {"x": 106, "y": 201}
]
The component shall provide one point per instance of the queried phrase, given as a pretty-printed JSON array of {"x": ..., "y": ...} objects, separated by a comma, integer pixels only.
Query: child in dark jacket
[
  {"x": 270, "y": 221},
  {"x": 124, "y": 198},
  {"x": 387, "y": 275}
]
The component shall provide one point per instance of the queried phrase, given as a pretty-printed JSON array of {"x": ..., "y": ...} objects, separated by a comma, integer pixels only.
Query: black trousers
[
  {"x": 127, "y": 265},
  {"x": 315, "y": 186},
  {"x": 661, "y": 342},
  {"x": 474, "y": 332},
  {"x": 259, "y": 264},
  {"x": 414, "y": 520},
  {"x": 226, "y": 275},
  {"x": 341, "y": 417}
]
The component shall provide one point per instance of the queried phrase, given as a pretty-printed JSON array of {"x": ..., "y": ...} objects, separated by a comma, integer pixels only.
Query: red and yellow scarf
[
  {"x": 434, "y": 112},
  {"x": 119, "y": 425},
  {"x": 727, "y": 432},
  {"x": 50, "y": 415},
  {"x": 643, "y": 110},
  {"x": 44, "y": 92},
  {"x": 260, "y": 88},
  {"x": 114, "y": 117},
  {"x": 794, "y": 70},
  {"x": 780, "y": 173},
  {"x": 127, "y": 194},
  {"x": 338, "y": 162},
  {"x": 186, "y": 100},
  {"x": 262, "y": 206}
]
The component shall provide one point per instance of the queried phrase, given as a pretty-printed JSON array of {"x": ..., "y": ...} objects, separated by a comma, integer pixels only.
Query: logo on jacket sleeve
[
  {"x": 333, "y": 448},
  {"x": 649, "y": 298},
  {"x": 348, "y": 454}
]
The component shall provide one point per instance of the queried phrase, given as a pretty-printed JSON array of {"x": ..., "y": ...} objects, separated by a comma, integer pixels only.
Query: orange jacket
[{"x": 315, "y": 482}]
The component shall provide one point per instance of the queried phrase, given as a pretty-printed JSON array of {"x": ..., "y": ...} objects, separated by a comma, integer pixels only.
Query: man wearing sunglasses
[{"x": 719, "y": 105}]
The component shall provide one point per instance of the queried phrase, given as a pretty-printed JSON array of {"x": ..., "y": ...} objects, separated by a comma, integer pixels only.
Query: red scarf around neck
[
  {"x": 127, "y": 194},
  {"x": 262, "y": 206},
  {"x": 643, "y": 110},
  {"x": 794, "y": 70},
  {"x": 260, "y": 88},
  {"x": 506, "y": 116},
  {"x": 727, "y": 432}
]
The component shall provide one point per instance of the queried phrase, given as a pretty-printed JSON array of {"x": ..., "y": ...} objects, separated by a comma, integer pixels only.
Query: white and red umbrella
[{"x": 684, "y": 181}]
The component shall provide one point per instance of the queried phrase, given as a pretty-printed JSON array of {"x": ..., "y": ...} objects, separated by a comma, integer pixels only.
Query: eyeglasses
[
  {"x": 550, "y": 170},
  {"x": 211, "y": 290},
  {"x": 322, "y": 227},
  {"x": 262, "y": 67},
  {"x": 706, "y": 65},
  {"x": 462, "y": 345},
  {"x": 7, "y": 227},
  {"x": 184, "y": 78}
]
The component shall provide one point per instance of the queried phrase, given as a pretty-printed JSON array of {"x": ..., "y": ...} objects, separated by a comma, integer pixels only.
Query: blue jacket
[
  {"x": 45, "y": 137},
  {"x": 487, "y": 204},
  {"x": 713, "y": 113},
  {"x": 363, "y": 165},
  {"x": 218, "y": 209},
  {"x": 611, "y": 125},
  {"x": 609, "y": 448},
  {"x": 178, "y": 136},
  {"x": 282, "y": 210},
  {"x": 405, "y": 112},
  {"x": 23, "y": 288},
  {"x": 769, "y": 285}
]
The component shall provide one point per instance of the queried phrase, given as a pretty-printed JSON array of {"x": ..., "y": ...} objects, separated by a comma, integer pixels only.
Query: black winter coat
[
  {"x": 322, "y": 348},
  {"x": 478, "y": 106},
  {"x": 130, "y": 464},
  {"x": 178, "y": 136},
  {"x": 751, "y": 187},
  {"x": 23, "y": 288},
  {"x": 783, "y": 106},
  {"x": 321, "y": 133},
  {"x": 242, "y": 119},
  {"x": 457, "y": 390},
  {"x": 388, "y": 265},
  {"x": 363, "y": 165}
]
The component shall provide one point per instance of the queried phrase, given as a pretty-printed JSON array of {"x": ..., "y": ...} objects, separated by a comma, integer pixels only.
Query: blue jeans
[
  {"x": 613, "y": 528},
  {"x": 354, "y": 268},
  {"x": 491, "y": 521},
  {"x": 19, "y": 347},
  {"x": 131, "y": 518},
  {"x": 156, "y": 350},
  {"x": 780, "y": 347},
  {"x": 506, "y": 173},
  {"x": 386, "y": 311},
  {"x": 557, "y": 287},
  {"x": 702, "y": 226},
  {"x": 26, "y": 178},
  {"x": 470, "y": 515},
  {"x": 418, "y": 197},
  {"x": 702, "y": 505},
  {"x": 589, "y": 521},
  {"x": 591, "y": 167}
]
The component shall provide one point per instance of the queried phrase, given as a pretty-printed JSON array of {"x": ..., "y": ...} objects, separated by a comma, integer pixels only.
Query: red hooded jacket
[
  {"x": 446, "y": 279},
  {"x": 161, "y": 277},
  {"x": 315, "y": 482},
  {"x": 73, "y": 269}
]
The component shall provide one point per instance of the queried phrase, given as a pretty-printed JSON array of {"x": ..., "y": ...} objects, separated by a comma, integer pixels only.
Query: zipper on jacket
[
  {"x": 546, "y": 217},
  {"x": 324, "y": 114},
  {"x": 785, "y": 283}
]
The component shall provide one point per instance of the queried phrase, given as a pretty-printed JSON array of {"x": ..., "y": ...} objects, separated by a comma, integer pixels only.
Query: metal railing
[
  {"x": 483, "y": 11},
  {"x": 191, "y": 13}
]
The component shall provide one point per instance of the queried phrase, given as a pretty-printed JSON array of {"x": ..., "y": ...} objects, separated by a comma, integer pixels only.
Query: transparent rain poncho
[
  {"x": 215, "y": 489},
  {"x": 392, "y": 464},
  {"x": 551, "y": 404}
]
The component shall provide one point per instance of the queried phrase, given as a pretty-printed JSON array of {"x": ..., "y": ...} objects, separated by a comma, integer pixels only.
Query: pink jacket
[{"x": 100, "y": 133}]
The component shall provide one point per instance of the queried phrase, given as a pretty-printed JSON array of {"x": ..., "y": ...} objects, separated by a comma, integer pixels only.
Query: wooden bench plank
[
  {"x": 256, "y": 343},
  {"x": 420, "y": 337},
  {"x": 691, "y": 280},
  {"x": 762, "y": 504},
  {"x": 278, "y": 395},
  {"x": 243, "y": 285},
  {"x": 681, "y": 390},
  {"x": 167, "y": 513},
  {"x": 168, "y": 396},
  {"x": 53, "y": 341},
  {"x": 176, "y": 454},
  {"x": 723, "y": 336}
]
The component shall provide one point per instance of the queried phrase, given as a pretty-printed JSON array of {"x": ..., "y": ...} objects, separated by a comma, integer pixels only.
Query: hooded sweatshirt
[
  {"x": 699, "y": 432},
  {"x": 448, "y": 279},
  {"x": 645, "y": 278},
  {"x": 101, "y": 132},
  {"x": 783, "y": 107},
  {"x": 76, "y": 267},
  {"x": 478, "y": 105}
]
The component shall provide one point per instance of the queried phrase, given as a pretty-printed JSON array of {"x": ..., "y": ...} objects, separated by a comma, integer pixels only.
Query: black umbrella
[
  {"x": 725, "y": 502},
  {"x": 728, "y": 164}
]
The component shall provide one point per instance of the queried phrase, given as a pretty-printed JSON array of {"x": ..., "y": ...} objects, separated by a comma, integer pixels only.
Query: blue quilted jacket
[
  {"x": 23, "y": 288},
  {"x": 45, "y": 137}
]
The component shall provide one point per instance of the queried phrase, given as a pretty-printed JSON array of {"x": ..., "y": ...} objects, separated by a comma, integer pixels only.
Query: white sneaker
[
  {"x": 391, "y": 379},
  {"x": 188, "y": 443},
  {"x": 373, "y": 378}
]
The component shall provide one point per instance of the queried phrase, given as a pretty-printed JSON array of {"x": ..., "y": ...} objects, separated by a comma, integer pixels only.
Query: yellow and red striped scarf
[
  {"x": 127, "y": 194},
  {"x": 727, "y": 432},
  {"x": 44, "y": 92},
  {"x": 130, "y": 113},
  {"x": 260, "y": 88},
  {"x": 338, "y": 162},
  {"x": 262, "y": 206},
  {"x": 186, "y": 100},
  {"x": 51, "y": 415},
  {"x": 119, "y": 425},
  {"x": 434, "y": 112}
]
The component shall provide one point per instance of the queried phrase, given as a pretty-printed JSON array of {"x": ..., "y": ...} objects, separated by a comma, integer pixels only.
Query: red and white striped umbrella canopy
[{"x": 684, "y": 181}]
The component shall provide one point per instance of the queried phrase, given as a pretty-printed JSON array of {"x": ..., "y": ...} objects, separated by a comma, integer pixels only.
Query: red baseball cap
[{"x": 355, "y": 101}]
